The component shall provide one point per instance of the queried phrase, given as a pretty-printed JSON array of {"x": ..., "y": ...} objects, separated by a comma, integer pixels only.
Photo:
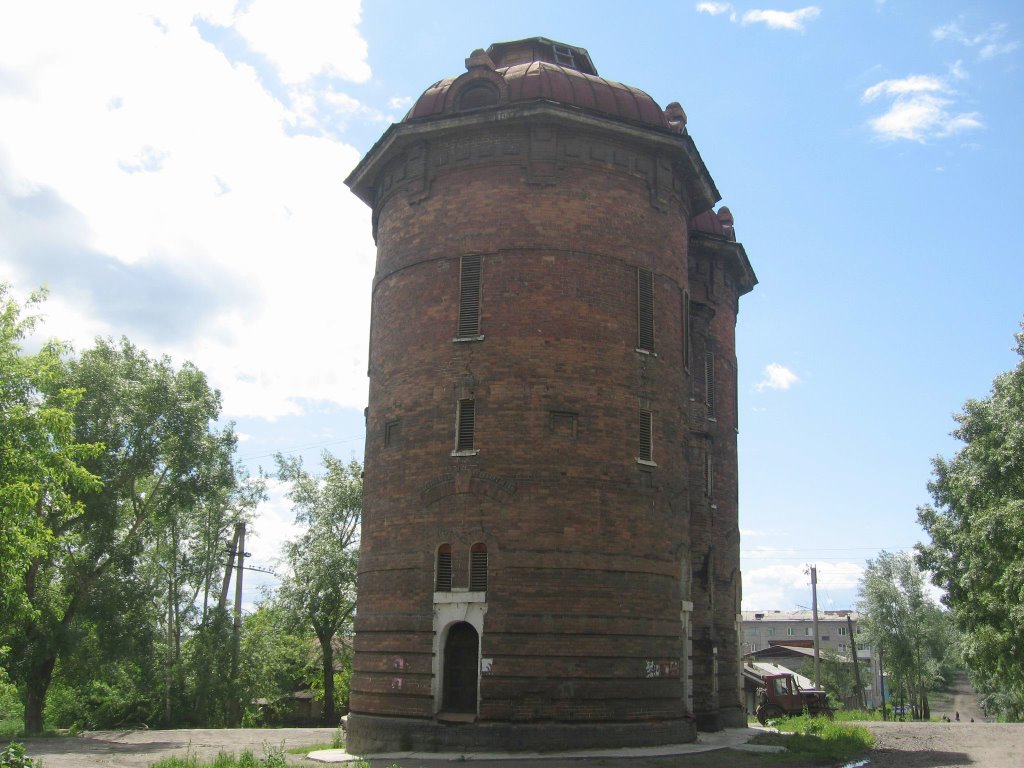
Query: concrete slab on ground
[{"x": 730, "y": 737}]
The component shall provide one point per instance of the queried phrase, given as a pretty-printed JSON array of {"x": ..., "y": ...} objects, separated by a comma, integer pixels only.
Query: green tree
[
  {"x": 902, "y": 621},
  {"x": 976, "y": 527},
  {"x": 40, "y": 458},
  {"x": 319, "y": 589},
  {"x": 160, "y": 452},
  {"x": 276, "y": 659},
  {"x": 837, "y": 677}
]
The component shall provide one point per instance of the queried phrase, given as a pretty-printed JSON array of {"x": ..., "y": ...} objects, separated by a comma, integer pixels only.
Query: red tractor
[{"x": 782, "y": 695}]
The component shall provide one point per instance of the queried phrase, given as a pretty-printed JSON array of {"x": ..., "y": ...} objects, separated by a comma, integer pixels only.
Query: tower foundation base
[{"x": 370, "y": 734}]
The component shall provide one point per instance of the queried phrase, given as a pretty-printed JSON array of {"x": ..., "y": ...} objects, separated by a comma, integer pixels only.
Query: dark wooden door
[{"x": 461, "y": 662}]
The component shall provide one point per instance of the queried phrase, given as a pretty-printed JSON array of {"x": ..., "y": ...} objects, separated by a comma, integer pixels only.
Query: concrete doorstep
[{"x": 730, "y": 738}]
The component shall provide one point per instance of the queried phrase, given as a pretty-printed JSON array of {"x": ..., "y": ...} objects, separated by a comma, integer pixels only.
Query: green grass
[
  {"x": 311, "y": 748},
  {"x": 337, "y": 742},
  {"x": 818, "y": 738},
  {"x": 10, "y": 727},
  {"x": 273, "y": 757},
  {"x": 848, "y": 715}
]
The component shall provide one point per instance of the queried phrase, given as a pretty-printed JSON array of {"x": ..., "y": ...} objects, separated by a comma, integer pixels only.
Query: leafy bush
[
  {"x": 13, "y": 756},
  {"x": 11, "y": 711}
]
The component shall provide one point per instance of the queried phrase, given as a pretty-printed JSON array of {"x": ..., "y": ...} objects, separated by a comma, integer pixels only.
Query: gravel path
[
  {"x": 936, "y": 745},
  {"x": 899, "y": 745},
  {"x": 138, "y": 749}
]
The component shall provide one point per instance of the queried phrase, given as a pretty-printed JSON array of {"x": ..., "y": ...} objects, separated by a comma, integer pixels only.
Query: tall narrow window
[
  {"x": 736, "y": 391},
  {"x": 478, "y": 568},
  {"x": 444, "y": 568},
  {"x": 709, "y": 382},
  {"x": 646, "y": 437},
  {"x": 465, "y": 427},
  {"x": 709, "y": 472},
  {"x": 645, "y": 302},
  {"x": 469, "y": 298},
  {"x": 686, "y": 330}
]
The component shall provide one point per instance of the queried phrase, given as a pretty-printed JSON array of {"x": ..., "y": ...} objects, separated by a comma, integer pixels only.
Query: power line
[
  {"x": 288, "y": 451},
  {"x": 842, "y": 549}
]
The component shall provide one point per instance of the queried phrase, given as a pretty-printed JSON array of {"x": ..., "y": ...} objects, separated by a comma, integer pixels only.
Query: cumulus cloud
[
  {"x": 776, "y": 376},
  {"x": 914, "y": 84},
  {"x": 778, "y": 583},
  {"x": 921, "y": 108},
  {"x": 716, "y": 9},
  {"x": 989, "y": 43},
  {"x": 792, "y": 20},
  {"x": 172, "y": 200},
  {"x": 307, "y": 37}
]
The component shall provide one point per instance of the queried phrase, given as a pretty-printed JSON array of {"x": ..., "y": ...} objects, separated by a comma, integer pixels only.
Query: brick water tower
[{"x": 550, "y": 548}]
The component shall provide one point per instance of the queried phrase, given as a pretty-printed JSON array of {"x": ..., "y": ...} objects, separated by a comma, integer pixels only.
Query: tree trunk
[
  {"x": 329, "y": 716},
  {"x": 35, "y": 694}
]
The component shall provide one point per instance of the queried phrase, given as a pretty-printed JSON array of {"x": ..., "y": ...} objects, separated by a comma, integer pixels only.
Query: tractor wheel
[{"x": 769, "y": 712}]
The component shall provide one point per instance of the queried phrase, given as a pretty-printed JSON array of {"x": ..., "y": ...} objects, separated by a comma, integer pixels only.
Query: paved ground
[{"x": 900, "y": 745}]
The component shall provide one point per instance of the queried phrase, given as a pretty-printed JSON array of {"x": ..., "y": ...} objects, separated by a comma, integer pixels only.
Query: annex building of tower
[{"x": 550, "y": 547}]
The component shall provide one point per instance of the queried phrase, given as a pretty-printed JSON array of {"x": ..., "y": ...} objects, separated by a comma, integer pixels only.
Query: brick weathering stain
[{"x": 550, "y": 548}]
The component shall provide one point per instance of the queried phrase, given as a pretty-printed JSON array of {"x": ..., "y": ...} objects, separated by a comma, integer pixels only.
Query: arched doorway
[{"x": 461, "y": 662}]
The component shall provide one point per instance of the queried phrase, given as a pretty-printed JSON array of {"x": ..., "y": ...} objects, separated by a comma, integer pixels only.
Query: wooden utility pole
[
  {"x": 236, "y": 639},
  {"x": 814, "y": 611},
  {"x": 856, "y": 662},
  {"x": 881, "y": 683},
  {"x": 226, "y": 584}
]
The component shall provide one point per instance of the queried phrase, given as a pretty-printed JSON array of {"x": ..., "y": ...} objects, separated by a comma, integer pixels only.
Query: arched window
[
  {"x": 444, "y": 568},
  {"x": 478, "y": 568},
  {"x": 476, "y": 95}
]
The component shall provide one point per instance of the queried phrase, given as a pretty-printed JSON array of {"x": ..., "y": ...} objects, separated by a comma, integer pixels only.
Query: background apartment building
[{"x": 792, "y": 633}]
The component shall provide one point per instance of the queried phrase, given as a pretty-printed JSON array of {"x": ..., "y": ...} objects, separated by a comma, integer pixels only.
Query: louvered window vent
[
  {"x": 646, "y": 452},
  {"x": 478, "y": 568},
  {"x": 466, "y": 427},
  {"x": 645, "y": 301},
  {"x": 444, "y": 568},
  {"x": 469, "y": 298}
]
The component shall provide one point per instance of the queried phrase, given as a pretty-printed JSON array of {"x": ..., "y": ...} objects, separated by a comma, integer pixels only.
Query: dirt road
[
  {"x": 936, "y": 745},
  {"x": 138, "y": 749},
  {"x": 900, "y": 745}
]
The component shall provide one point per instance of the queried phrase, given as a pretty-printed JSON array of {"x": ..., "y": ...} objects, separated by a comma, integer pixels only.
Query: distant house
[{"x": 787, "y": 637}]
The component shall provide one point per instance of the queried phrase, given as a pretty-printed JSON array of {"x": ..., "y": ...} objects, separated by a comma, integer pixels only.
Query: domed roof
[{"x": 537, "y": 69}]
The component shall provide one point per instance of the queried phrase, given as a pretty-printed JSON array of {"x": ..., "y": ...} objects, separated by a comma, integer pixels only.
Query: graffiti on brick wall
[{"x": 653, "y": 668}]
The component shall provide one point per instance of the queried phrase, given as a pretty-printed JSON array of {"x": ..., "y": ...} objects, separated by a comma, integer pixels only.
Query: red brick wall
[{"x": 584, "y": 543}]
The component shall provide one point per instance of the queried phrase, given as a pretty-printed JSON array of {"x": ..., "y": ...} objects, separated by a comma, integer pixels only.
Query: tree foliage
[
  {"x": 905, "y": 625},
  {"x": 156, "y": 451},
  {"x": 976, "y": 527},
  {"x": 118, "y": 494},
  {"x": 41, "y": 472},
  {"x": 319, "y": 590},
  {"x": 837, "y": 676}
]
